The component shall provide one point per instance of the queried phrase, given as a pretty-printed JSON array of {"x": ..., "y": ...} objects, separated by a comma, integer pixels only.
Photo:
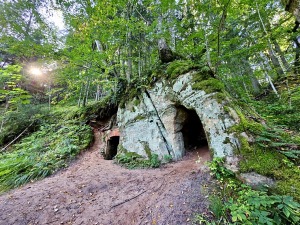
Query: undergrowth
[
  {"x": 284, "y": 111},
  {"x": 12, "y": 123},
  {"x": 236, "y": 203},
  {"x": 50, "y": 147},
  {"x": 274, "y": 150}
]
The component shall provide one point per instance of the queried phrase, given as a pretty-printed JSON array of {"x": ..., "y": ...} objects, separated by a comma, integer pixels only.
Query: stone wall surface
[{"x": 154, "y": 121}]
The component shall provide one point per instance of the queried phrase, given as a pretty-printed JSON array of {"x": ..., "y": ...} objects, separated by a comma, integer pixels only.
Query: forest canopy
[{"x": 246, "y": 44}]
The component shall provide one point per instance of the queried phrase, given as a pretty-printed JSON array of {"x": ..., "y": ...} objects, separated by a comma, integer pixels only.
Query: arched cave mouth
[
  {"x": 112, "y": 147},
  {"x": 193, "y": 132}
]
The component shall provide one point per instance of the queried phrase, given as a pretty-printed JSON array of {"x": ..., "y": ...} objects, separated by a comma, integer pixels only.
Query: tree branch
[
  {"x": 127, "y": 200},
  {"x": 10, "y": 143}
]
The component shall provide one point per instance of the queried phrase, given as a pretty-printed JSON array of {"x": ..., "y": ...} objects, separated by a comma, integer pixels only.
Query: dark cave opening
[
  {"x": 193, "y": 132},
  {"x": 112, "y": 147}
]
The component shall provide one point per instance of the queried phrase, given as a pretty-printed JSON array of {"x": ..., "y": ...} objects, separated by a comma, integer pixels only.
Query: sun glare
[{"x": 35, "y": 71}]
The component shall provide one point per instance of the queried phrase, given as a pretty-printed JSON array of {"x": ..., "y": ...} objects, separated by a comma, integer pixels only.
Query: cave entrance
[
  {"x": 112, "y": 147},
  {"x": 193, "y": 132}
]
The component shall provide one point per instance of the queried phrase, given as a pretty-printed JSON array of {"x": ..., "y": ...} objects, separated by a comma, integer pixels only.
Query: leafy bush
[
  {"x": 218, "y": 170},
  {"x": 256, "y": 207},
  {"x": 132, "y": 160}
]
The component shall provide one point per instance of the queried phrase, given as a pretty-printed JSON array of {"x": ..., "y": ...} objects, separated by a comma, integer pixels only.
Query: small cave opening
[
  {"x": 193, "y": 132},
  {"x": 112, "y": 147}
]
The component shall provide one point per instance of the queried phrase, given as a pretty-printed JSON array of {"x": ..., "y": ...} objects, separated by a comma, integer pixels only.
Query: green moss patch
[
  {"x": 262, "y": 162},
  {"x": 179, "y": 67},
  {"x": 210, "y": 85},
  {"x": 147, "y": 149}
]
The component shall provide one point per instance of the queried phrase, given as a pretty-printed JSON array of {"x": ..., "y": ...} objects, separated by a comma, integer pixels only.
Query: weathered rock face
[{"x": 156, "y": 123}]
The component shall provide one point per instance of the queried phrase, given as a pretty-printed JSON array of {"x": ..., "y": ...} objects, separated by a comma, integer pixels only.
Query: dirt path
[{"x": 97, "y": 191}]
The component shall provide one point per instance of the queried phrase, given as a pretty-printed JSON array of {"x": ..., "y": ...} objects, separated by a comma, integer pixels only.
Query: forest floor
[{"x": 97, "y": 191}]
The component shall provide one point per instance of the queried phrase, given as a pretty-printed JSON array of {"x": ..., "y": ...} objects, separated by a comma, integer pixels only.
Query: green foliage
[
  {"x": 274, "y": 138},
  {"x": 15, "y": 122},
  {"x": 218, "y": 170},
  {"x": 132, "y": 160},
  {"x": 288, "y": 182},
  {"x": 99, "y": 109},
  {"x": 203, "y": 74},
  {"x": 273, "y": 163},
  {"x": 269, "y": 156},
  {"x": 284, "y": 111},
  {"x": 154, "y": 161},
  {"x": 268, "y": 136},
  {"x": 238, "y": 204},
  {"x": 10, "y": 91},
  {"x": 246, "y": 124},
  {"x": 168, "y": 158},
  {"x": 29, "y": 37},
  {"x": 43, "y": 152},
  {"x": 216, "y": 206},
  {"x": 256, "y": 207},
  {"x": 199, "y": 219},
  {"x": 133, "y": 90}
]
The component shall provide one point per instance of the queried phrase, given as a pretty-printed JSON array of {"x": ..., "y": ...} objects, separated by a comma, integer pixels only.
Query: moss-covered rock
[
  {"x": 179, "y": 67},
  {"x": 210, "y": 85}
]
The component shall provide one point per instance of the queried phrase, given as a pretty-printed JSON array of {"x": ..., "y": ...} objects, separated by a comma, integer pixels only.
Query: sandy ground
[{"x": 97, "y": 191}]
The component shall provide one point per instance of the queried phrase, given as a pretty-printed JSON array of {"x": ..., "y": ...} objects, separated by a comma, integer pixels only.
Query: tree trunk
[
  {"x": 80, "y": 94},
  {"x": 87, "y": 91},
  {"x": 256, "y": 87},
  {"x": 165, "y": 53},
  {"x": 281, "y": 55},
  {"x": 273, "y": 57},
  {"x": 129, "y": 58},
  {"x": 297, "y": 56},
  {"x": 268, "y": 78},
  {"x": 97, "y": 98},
  {"x": 275, "y": 62}
]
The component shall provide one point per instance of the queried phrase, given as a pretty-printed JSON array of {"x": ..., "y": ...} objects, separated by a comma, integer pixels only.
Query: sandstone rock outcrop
[{"x": 155, "y": 122}]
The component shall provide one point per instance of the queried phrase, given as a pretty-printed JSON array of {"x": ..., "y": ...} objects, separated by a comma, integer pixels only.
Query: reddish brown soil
[{"x": 97, "y": 191}]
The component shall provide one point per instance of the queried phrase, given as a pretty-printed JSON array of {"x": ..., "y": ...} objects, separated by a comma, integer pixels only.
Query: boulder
[{"x": 256, "y": 180}]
